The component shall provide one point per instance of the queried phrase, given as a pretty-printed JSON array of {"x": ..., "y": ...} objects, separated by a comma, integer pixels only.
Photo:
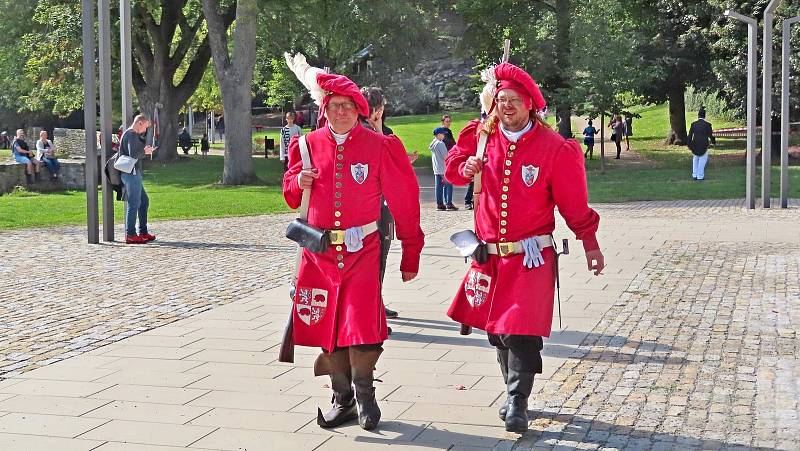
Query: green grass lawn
[
  {"x": 183, "y": 190},
  {"x": 190, "y": 189}
]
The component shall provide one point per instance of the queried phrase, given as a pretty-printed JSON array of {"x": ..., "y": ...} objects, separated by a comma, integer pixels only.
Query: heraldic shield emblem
[
  {"x": 359, "y": 172},
  {"x": 311, "y": 305},
  {"x": 477, "y": 287},
  {"x": 529, "y": 174}
]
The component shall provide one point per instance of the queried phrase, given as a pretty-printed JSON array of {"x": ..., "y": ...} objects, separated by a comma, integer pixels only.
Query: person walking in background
[
  {"x": 700, "y": 135},
  {"x": 617, "y": 132},
  {"x": 24, "y": 155},
  {"x": 443, "y": 188},
  {"x": 133, "y": 145},
  {"x": 46, "y": 153},
  {"x": 376, "y": 122},
  {"x": 628, "y": 131},
  {"x": 287, "y": 132},
  {"x": 204, "y": 146},
  {"x": 449, "y": 142},
  {"x": 588, "y": 139}
]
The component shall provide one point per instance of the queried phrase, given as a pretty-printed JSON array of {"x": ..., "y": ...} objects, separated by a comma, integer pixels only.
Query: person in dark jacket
[
  {"x": 133, "y": 145},
  {"x": 185, "y": 141},
  {"x": 700, "y": 135}
]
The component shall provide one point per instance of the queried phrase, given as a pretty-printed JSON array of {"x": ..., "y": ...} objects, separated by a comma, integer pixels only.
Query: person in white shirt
[{"x": 46, "y": 153}]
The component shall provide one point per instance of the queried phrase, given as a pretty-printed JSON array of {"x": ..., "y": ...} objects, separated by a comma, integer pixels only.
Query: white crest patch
[
  {"x": 477, "y": 287},
  {"x": 529, "y": 174},
  {"x": 311, "y": 304},
  {"x": 360, "y": 172}
]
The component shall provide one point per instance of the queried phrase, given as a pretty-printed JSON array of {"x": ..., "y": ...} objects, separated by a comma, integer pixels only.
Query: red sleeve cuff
[
  {"x": 590, "y": 243},
  {"x": 409, "y": 263}
]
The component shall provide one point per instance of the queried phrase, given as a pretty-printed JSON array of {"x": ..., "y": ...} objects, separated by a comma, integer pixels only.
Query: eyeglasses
[
  {"x": 344, "y": 106},
  {"x": 513, "y": 101}
]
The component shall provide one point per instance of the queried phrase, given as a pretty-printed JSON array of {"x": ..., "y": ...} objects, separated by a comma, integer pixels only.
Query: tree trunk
[
  {"x": 564, "y": 107},
  {"x": 235, "y": 75},
  {"x": 157, "y": 57},
  {"x": 677, "y": 115}
]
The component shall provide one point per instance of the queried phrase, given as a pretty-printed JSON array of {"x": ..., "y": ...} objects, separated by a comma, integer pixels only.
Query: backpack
[{"x": 114, "y": 175}]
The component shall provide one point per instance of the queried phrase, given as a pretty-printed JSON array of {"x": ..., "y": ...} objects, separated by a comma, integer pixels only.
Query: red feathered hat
[
  {"x": 341, "y": 85},
  {"x": 510, "y": 76}
]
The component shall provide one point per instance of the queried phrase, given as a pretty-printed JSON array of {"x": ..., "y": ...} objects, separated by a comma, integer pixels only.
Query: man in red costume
[
  {"x": 527, "y": 171},
  {"x": 337, "y": 300}
]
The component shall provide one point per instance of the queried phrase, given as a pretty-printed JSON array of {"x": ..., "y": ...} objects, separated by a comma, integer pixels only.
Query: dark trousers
[
  {"x": 469, "y": 195},
  {"x": 386, "y": 230},
  {"x": 525, "y": 348}
]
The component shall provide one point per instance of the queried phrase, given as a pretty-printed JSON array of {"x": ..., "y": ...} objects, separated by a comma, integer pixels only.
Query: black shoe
[
  {"x": 441, "y": 207},
  {"x": 469, "y": 206},
  {"x": 344, "y": 403},
  {"x": 451, "y": 207},
  {"x": 517, "y": 415},
  {"x": 390, "y": 313}
]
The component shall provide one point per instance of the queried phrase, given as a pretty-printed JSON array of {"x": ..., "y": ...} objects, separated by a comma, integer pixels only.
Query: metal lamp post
[
  {"x": 766, "y": 106},
  {"x": 785, "y": 85},
  {"x": 89, "y": 118},
  {"x": 752, "y": 92}
]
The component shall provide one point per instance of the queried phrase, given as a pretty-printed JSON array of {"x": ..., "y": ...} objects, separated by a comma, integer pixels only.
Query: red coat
[
  {"x": 540, "y": 172},
  {"x": 338, "y": 301}
]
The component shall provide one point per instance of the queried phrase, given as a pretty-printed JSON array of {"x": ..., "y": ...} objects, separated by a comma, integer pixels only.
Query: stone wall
[
  {"x": 70, "y": 142},
  {"x": 71, "y": 177}
]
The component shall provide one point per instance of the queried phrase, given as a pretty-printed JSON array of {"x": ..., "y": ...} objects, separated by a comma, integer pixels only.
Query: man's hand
[
  {"x": 413, "y": 157},
  {"x": 407, "y": 276},
  {"x": 595, "y": 261},
  {"x": 306, "y": 178},
  {"x": 148, "y": 150},
  {"x": 472, "y": 166}
]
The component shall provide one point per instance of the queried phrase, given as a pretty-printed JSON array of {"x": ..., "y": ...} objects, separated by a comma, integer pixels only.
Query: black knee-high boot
[
  {"x": 502, "y": 359},
  {"x": 362, "y": 364},
  {"x": 521, "y": 370},
  {"x": 337, "y": 365},
  {"x": 28, "y": 178}
]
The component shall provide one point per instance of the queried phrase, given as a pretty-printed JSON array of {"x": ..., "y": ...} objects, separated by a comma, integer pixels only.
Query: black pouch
[
  {"x": 481, "y": 254},
  {"x": 306, "y": 235}
]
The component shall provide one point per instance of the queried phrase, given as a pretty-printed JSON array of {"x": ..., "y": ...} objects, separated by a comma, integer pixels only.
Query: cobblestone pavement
[
  {"x": 688, "y": 341},
  {"x": 701, "y": 351},
  {"x": 62, "y": 297}
]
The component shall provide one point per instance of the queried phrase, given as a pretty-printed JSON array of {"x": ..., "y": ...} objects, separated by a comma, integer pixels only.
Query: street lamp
[
  {"x": 752, "y": 91},
  {"x": 785, "y": 69}
]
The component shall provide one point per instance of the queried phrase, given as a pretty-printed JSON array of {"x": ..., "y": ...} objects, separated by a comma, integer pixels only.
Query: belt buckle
[
  {"x": 336, "y": 236},
  {"x": 505, "y": 249}
]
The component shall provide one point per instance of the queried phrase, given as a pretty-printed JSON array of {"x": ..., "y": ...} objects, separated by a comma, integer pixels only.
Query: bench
[
  {"x": 71, "y": 177},
  {"x": 195, "y": 144}
]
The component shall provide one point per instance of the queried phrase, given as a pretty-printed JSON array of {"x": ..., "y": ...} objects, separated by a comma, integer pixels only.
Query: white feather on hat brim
[{"x": 307, "y": 75}]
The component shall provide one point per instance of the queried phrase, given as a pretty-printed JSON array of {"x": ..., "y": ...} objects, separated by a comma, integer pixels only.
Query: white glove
[
  {"x": 353, "y": 239},
  {"x": 533, "y": 255}
]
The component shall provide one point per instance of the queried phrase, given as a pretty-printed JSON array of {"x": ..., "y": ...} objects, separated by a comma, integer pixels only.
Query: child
[
  {"x": 444, "y": 190},
  {"x": 287, "y": 132},
  {"x": 204, "y": 145}
]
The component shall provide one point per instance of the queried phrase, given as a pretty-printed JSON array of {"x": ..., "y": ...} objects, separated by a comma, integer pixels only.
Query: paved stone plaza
[{"x": 688, "y": 341}]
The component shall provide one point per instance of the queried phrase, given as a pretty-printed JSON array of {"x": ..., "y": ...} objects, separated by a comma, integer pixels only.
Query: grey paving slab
[{"x": 689, "y": 341}]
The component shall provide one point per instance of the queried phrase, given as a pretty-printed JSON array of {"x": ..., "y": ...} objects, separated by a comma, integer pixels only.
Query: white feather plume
[
  {"x": 489, "y": 91},
  {"x": 307, "y": 75}
]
